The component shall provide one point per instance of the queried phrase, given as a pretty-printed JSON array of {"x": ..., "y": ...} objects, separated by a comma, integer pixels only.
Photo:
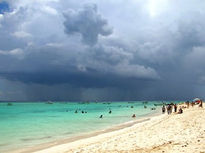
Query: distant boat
[
  {"x": 84, "y": 102},
  {"x": 49, "y": 102},
  {"x": 158, "y": 104},
  {"x": 106, "y": 103},
  {"x": 9, "y": 104}
]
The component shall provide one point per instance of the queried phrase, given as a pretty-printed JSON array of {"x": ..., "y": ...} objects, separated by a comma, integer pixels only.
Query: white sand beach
[{"x": 164, "y": 133}]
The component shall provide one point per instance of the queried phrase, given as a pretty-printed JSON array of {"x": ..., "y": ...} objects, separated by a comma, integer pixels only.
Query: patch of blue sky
[{"x": 4, "y": 7}]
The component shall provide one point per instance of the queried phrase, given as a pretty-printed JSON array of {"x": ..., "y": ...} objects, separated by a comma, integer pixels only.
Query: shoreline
[
  {"x": 162, "y": 133},
  {"x": 88, "y": 135},
  {"x": 155, "y": 133},
  {"x": 105, "y": 132}
]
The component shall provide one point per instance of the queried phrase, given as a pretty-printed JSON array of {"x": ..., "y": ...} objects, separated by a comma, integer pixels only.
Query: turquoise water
[{"x": 29, "y": 124}]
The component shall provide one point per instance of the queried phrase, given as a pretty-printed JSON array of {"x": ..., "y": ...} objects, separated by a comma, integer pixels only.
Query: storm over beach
[
  {"x": 113, "y": 50},
  {"x": 102, "y": 76}
]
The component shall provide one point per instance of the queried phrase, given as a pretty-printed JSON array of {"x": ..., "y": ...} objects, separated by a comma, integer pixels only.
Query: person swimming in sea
[
  {"x": 145, "y": 106},
  {"x": 110, "y": 112},
  {"x": 101, "y": 116},
  {"x": 133, "y": 116},
  {"x": 76, "y": 111}
]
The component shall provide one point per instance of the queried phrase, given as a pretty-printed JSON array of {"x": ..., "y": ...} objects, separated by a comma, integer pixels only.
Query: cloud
[
  {"x": 21, "y": 34},
  {"x": 193, "y": 63},
  {"x": 50, "y": 10},
  {"x": 88, "y": 23},
  {"x": 196, "y": 57},
  {"x": 14, "y": 52},
  {"x": 102, "y": 50},
  {"x": 112, "y": 59},
  {"x": 136, "y": 71}
]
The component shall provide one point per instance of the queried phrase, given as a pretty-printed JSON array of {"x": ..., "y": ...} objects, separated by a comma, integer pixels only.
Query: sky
[{"x": 109, "y": 50}]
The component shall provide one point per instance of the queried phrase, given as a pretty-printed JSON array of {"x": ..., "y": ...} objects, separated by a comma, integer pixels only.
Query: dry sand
[{"x": 173, "y": 133}]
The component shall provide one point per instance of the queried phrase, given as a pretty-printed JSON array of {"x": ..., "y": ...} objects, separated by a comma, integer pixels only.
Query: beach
[
  {"x": 163, "y": 133},
  {"x": 102, "y": 76}
]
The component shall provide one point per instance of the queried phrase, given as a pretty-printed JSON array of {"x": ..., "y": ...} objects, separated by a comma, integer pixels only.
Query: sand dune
[{"x": 165, "y": 133}]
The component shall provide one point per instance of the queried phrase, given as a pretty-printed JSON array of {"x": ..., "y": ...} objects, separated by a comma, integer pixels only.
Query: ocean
[{"x": 27, "y": 124}]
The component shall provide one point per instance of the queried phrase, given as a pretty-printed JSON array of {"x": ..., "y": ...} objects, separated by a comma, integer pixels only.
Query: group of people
[{"x": 171, "y": 108}]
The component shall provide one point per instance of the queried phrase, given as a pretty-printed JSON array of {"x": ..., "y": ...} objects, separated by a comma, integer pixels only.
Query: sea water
[{"x": 33, "y": 123}]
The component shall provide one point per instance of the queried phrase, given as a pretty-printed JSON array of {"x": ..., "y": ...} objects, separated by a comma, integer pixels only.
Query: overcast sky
[{"x": 102, "y": 49}]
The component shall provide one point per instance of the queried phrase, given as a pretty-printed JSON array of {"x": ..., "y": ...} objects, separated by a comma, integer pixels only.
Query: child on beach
[{"x": 180, "y": 111}]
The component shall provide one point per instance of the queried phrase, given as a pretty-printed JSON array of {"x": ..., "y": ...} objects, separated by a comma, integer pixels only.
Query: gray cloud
[
  {"x": 88, "y": 23},
  {"x": 155, "y": 52}
]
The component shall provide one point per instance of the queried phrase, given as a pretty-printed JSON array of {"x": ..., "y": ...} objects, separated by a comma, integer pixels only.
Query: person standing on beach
[
  {"x": 172, "y": 104},
  {"x": 163, "y": 109},
  {"x": 201, "y": 104},
  {"x": 168, "y": 109},
  {"x": 175, "y": 108},
  {"x": 187, "y": 103}
]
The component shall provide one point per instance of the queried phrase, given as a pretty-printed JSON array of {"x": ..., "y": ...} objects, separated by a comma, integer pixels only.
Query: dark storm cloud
[
  {"x": 90, "y": 79},
  {"x": 88, "y": 23},
  {"x": 102, "y": 67},
  {"x": 65, "y": 50}
]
